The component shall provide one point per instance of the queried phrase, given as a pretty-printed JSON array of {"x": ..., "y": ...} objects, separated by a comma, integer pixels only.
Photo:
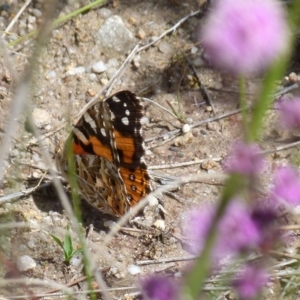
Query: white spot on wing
[
  {"x": 127, "y": 112},
  {"x": 103, "y": 132},
  {"x": 125, "y": 121},
  {"x": 80, "y": 135},
  {"x": 112, "y": 115},
  {"x": 125, "y": 104},
  {"x": 116, "y": 99},
  {"x": 89, "y": 120}
]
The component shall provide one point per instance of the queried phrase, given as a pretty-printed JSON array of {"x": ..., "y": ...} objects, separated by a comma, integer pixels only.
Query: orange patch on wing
[
  {"x": 100, "y": 149},
  {"x": 78, "y": 150},
  {"x": 126, "y": 144},
  {"x": 139, "y": 182}
]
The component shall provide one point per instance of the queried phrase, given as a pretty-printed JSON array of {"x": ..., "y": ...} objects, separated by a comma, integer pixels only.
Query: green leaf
[
  {"x": 68, "y": 246},
  {"x": 57, "y": 240},
  {"x": 78, "y": 251}
]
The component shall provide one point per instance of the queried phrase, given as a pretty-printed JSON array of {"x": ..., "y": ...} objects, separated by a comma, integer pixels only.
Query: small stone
[
  {"x": 132, "y": 20},
  {"x": 91, "y": 93},
  {"x": 99, "y": 67},
  {"x": 25, "y": 263},
  {"x": 141, "y": 34},
  {"x": 186, "y": 128},
  {"x": 104, "y": 13},
  {"x": 36, "y": 12},
  {"x": 198, "y": 62},
  {"x": 164, "y": 47},
  {"x": 114, "y": 38},
  {"x": 152, "y": 201},
  {"x": 145, "y": 121},
  {"x": 213, "y": 126},
  {"x": 109, "y": 223},
  {"x": 183, "y": 140},
  {"x": 208, "y": 109},
  {"x": 31, "y": 19},
  {"x": 75, "y": 71},
  {"x": 136, "y": 61},
  {"x": 111, "y": 72},
  {"x": 104, "y": 81},
  {"x": 41, "y": 117},
  {"x": 134, "y": 269},
  {"x": 50, "y": 74},
  {"x": 209, "y": 164},
  {"x": 293, "y": 77},
  {"x": 76, "y": 260},
  {"x": 113, "y": 62},
  {"x": 194, "y": 50},
  {"x": 160, "y": 224}
]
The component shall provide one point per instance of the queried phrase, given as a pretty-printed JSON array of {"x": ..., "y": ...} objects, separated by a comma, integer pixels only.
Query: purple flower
[
  {"x": 287, "y": 185},
  {"x": 196, "y": 226},
  {"x": 237, "y": 230},
  {"x": 290, "y": 113},
  {"x": 245, "y": 159},
  {"x": 159, "y": 288},
  {"x": 244, "y": 36},
  {"x": 250, "y": 281}
]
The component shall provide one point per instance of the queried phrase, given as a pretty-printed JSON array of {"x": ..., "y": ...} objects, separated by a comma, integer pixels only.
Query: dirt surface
[{"x": 161, "y": 73}]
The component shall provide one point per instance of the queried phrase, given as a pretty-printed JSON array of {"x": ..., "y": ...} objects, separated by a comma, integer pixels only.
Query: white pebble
[
  {"x": 160, "y": 224},
  {"x": 152, "y": 201},
  {"x": 194, "y": 50},
  {"x": 99, "y": 67},
  {"x": 76, "y": 71},
  {"x": 31, "y": 19},
  {"x": 186, "y": 128},
  {"x": 134, "y": 270},
  {"x": 76, "y": 260},
  {"x": 144, "y": 121},
  {"x": 25, "y": 263}
]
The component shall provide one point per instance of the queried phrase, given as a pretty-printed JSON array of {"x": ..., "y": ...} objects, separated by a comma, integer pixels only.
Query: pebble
[
  {"x": 160, "y": 224},
  {"x": 109, "y": 223},
  {"x": 31, "y": 19},
  {"x": 111, "y": 72},
  {"x": 93, "y": 77},
  {"x": 145, "y": 121},
  {"x": 76, "y": 71},
  {"x": 186, "y": 128},
  {"x": 76, "y": 260},
  {"x": 194, "y": 50},
  {"x": 51, "y": 74},
  {"x": 99, "y": 67},
  {"x": 293, "y": 77},
  {"x": 22, "y": 247},
  {"x": 152, "y": 201},
  {"x": 164, "y": 47},
  {"x": 134, "y": 269},
  {"x": 36, "y": 12},
  {"x": 41, "y": 117},
  {"x": 141, "y": 34},
  {"x": 104, "y": 13},
  {"x": 113, "y": 62},
  {"x": 25, "y": 263},
  {"x": 114, "y": 38}
]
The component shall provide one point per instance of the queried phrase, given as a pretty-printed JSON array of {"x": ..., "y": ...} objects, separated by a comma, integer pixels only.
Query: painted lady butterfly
[{"x": 109, "y": 154}]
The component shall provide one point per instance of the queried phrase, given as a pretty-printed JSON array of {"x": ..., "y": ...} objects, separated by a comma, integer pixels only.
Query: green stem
[{"x": 243, "y": 102}]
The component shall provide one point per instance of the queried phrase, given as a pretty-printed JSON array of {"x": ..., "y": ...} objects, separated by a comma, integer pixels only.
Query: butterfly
[{"x": 109, "y": 151}]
